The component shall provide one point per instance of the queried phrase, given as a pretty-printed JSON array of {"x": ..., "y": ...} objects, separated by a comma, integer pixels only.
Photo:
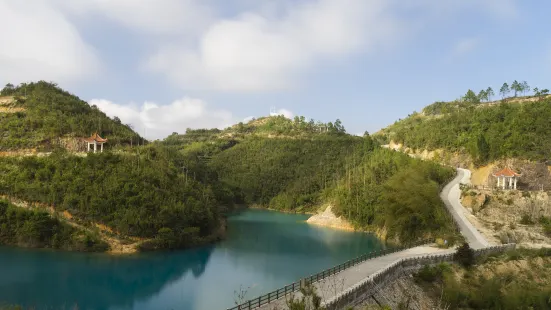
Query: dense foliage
[
  {"x": 390, "y": 190},
  {"x": 370, "y": 186},
  {"x": 33, "y": 228},
  {"x": 520, "y": 280},
  {"x": 48, "y": 112},
  {"x": 174, "y": 193},
  {"x": 147, "y": 192},
  {"x": 274, "y": 126},
  {"x": 285, "y": 174},
  {"x": 487, "y": 133}
]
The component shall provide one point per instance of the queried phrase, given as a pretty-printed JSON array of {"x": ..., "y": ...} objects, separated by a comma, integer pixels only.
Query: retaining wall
[{"x": 372, "y": 284}]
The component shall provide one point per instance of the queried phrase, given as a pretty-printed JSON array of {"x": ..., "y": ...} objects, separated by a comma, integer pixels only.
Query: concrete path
[
  {"x": 451, "y": 196},
  {"x": 333, "y": 285}
]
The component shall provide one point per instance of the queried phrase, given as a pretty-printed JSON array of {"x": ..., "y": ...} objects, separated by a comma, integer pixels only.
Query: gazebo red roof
[
  {"x": 95, "y": 137},
  {"x": 506, "y": 172}
]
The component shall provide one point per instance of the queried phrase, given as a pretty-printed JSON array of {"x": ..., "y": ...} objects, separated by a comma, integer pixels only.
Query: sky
[{"x": 167, "y": 65}]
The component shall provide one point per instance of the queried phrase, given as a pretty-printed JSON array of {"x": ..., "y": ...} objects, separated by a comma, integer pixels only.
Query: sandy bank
[{"x": 328, "y": 219}]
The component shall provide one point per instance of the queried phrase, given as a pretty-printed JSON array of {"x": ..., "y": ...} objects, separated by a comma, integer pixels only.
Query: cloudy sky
[{"x": 166, "y": 65}]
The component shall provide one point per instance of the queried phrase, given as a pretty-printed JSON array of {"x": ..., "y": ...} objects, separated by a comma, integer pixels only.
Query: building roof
[
  {"x": 95, "y": 137},
  {"x": 506, "y": 172}
]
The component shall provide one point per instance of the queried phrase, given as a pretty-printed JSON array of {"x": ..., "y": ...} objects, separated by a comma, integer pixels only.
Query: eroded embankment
[{"x": 328, "y": 219}]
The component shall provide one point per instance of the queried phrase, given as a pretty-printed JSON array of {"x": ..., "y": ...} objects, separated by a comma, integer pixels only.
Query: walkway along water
[{"x": 347, "y": 286}]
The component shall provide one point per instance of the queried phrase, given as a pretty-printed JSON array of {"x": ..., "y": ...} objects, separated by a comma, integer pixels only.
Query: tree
[
  {"x": 525, "y": 87},
  {"x": 489, "y": 93},
  {"x": 470, "y": 96},
  {"x": 339, "y": 127},
  {"x": 8, "y": 90},
  {"x": 464, "y": 255},
  {"x": 482, "y": 96},
  {"x": 516, "y": 87},
  {"x": 504, "y": 90},
  {"x": 536, "y": 92}
]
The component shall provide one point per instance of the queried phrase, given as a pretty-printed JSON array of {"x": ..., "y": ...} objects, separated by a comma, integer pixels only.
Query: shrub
[
  {"x": 464, "y": 255},
  {"x": 547, "y": 229},
  {"x": 526, "y": 220},
  {"x": 430, "y": 274}
]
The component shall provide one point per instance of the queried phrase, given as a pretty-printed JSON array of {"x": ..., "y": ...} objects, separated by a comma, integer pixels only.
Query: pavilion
[
  {"x": 507, "y": 178},
  {"x": 95, "y": 140}
]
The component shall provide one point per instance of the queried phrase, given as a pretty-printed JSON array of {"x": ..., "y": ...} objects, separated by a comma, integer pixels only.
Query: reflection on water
[
  {"x": 62, "y": 280},
  {"x": 264, "y": 250}
]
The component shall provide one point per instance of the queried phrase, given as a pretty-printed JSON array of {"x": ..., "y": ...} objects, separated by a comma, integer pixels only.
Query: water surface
[{"x": 264, "y": 250}]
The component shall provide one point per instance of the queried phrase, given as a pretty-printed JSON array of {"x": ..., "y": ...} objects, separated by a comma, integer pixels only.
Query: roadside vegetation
[{"x": 518, "y": 279}]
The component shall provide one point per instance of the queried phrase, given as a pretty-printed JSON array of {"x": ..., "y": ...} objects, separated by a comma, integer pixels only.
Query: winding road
[
  {"x": 334, "y": 285},
  {"x": 451, "y": 195}
]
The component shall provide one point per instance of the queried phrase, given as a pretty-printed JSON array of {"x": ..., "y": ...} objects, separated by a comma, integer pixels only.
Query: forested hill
[
  {"x": 267, "y": 127},
  {"x": 514, "y": 127},
  {"x": 42, "y": 116},
  {"x": 149, "y": 196},
  {"x": 374, "y": 188},
  {"x": 175, "y": 193}
]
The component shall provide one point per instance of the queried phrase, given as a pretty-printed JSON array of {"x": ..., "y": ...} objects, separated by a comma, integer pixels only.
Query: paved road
[
  {"x": 337, "y": 283},
  {"x": 451, "y": 197}
]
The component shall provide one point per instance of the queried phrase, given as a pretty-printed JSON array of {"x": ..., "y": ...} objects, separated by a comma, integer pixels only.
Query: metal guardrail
[{"x": 295, "y": 286}]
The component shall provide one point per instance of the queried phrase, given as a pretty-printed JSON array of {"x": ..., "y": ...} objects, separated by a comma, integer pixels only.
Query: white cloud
[
  {"x": 465, "y": 46},
  {"x": 158, "y": 121},
  {"x": 158, "y": 17},
  {"x": 258, "y": 51},
  {"x": 283, "y": 112},
  {"x": 39, "y": 43}
]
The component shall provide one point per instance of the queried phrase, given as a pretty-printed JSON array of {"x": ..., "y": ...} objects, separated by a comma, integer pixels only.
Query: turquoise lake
[{"x": 264, "y": 250}]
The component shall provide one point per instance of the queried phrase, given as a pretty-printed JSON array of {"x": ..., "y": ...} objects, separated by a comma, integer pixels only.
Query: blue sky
[{"x": 166, "y": 65}]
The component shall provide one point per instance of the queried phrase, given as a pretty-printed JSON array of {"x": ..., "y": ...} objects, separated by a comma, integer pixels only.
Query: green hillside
[
  {"x": 35, "y": 228},
  {"x": 142, "y": 192},
  {"x": 372, "y": 187},
  {"x": 36, "y": 115},
  {"x": 516, "y": 127},
  {"x": 150, "y": 194},
  {"x": 175, "y": 193}
]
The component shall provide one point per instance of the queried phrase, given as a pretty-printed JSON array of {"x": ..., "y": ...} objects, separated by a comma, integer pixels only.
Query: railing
[
  {"x": 378, "y": 280},
  {"x": 295, "y": 286}
]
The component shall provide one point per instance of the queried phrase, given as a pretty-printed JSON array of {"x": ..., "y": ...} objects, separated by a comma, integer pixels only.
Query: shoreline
[
  {"x": 258, "y": 207},
  {"x": 328, "y": 219}
]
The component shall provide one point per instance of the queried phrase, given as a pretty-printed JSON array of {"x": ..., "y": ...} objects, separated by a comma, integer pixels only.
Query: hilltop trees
[
  {"x": 8, "y": 90},
  {"x": 525, "y": 87},
  {"x": 51, "y": 113},
  {"x": 471, "y": 97},
  {"x": 516, "y": 87},
  {"x": 487, "y": 134},
  {"x": 489, "y": 94},
  {"x": 504, "y": 90},
  {"x": 485, "y": 95}
]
